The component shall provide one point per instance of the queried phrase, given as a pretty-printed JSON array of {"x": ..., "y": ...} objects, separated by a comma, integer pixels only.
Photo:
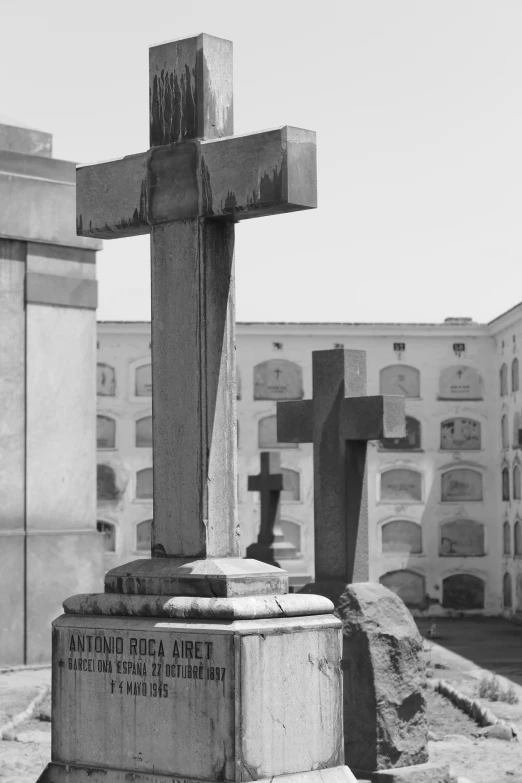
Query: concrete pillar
[{"x": 49, "y": 547}]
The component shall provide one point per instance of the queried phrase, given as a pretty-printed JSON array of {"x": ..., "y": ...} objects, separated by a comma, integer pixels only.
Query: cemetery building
[{"x": 445, "y": 525}]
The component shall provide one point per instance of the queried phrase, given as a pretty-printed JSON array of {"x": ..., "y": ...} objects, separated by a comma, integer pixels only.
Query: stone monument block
[{"x": 384, "y": 680}]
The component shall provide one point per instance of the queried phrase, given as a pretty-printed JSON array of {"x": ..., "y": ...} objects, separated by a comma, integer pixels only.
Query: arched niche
[
  {"x": 506, "y": 538},
  {"x": 515, "y": 375},
  {"x": 291, "y": 484},
  {"x": 401, "y": 536},
  {"x": 461, "y": 538},
  {"x": 504, "y": 477},
  {"x": 105, "y": 432},
  {"x": 504, "y": 428},
  {"x": 517, "y": 483},
  {"x": 143, "y": 380},
  {"x": 144, "y": 536},
  {"x": 400, "y": 484},
  {"x": 400, "y": 379},
  {"x": 412, "y": 440},
  {"x": 461, "y": 485},
  {"x": 144, "y": 432},
  {"x": 106, "y": 488},
  {"x": 517, "y": 538},
  {"x": 144, "y": 484},
  {"x": 463, "y": 591},
  {"x": 460, "y": 434},
  {"x": 516, "y": 429},
  {"x": 503, "y": 380},
  {"x": 507, "y": 591},
  {"x": 292, "y": 536},
  {"x": 408, "y": 585},
  {"x": 105, "y": 380},
  {"x": 278, "y": 379},
  {"x": 109, "y": 534},
  {"x": 267, "y": 435},
  {"x": 460, "y": 383}
]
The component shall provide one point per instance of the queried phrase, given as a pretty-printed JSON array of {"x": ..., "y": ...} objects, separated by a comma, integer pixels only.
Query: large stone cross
[
  {"x": 187, "y": 191},
  {"x": 339, "y": 421}
]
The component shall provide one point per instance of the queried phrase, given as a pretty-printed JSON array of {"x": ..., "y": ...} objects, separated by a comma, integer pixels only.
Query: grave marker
[
  {"x": 339, "y": 421},
  {"x": 196, "y": 664},
  {"x": 269, "y": 483}
]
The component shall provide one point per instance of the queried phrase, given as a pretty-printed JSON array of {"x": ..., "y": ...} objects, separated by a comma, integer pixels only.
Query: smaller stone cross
[
  {"x": 269, "y": 484},
  {"x": 339, "y": 421}
]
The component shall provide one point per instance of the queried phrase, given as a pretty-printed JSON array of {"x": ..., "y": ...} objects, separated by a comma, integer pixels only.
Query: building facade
[{"x": 444, "y": 502}]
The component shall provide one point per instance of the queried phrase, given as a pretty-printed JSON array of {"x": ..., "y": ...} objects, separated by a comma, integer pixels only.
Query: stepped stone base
[{"x": 416, "y": 773}]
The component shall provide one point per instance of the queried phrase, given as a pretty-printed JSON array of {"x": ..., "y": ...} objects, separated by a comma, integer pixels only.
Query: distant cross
[
  {"x": 269, "y": 484},
  {"x": 277, "y": 373},
  {"x": 460, "y": 374},
  {"x": 339, "y": 421},
  {"x": 187, "y": 191}
]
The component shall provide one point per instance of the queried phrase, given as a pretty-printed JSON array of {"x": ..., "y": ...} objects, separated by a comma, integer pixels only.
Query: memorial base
[
  {"x": 415, "y": 773},
  {"x": 161, "y": 698}
]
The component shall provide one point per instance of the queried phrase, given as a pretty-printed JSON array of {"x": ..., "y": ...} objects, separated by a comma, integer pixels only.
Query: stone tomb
[{"x": 196, "y": 664}]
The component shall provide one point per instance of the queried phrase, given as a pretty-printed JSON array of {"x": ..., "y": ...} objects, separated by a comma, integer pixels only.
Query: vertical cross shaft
[
  {"x": 269, "y": 484},
  {"x": 193, "y": 321}
]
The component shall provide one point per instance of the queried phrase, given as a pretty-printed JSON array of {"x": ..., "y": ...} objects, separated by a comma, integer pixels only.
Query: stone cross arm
[
  {"x": 231, "y": 178},
  {"x": 360, "y": 418}
]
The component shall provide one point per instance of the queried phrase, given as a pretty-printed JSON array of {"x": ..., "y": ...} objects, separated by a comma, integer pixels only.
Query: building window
[
  {"x": 412, "y": 440},
  {"x": 505, "y": 484},
  {"x": 401, "y": 484},
  {"x": 517, "y": 535},
  {"x": 503, "y": 380},
  {"x": 105, "y": 380},
  {"x": 268, "y": 435},
  {"x": 460, "y": 435},
  {"x": 400, "y": 379},
  {"x": 504, "y": 430},
  {"x": 401, "y": 536},
  {"x": 144, "y": 536},
  {"x": 507, "y": 591},
  {"x": 461, "y": 484},
  {"x": 291, "y": 482},
  {"x": 461, "y": 538},
  {"x": 144, "y": 484},
  {"x": 516, "y": 483},
  {"x": 106, "y": 488},
  {"x": 105, "y": 432},
  {"x": 109, "y": 532},
  {"x": 506, "y": 535},
  {"x": 143, "y": 381},
  {"x": 463, "y": 591},
  {"x": 516, "y": 429},
  {"x": 144, "y": 432},
  {"x": 515, "y": 378},
  {"x": 292, "y": 536}
]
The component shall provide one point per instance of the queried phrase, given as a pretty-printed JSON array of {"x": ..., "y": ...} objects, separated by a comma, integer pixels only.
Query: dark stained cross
[
  {"x": 339, "y": 421},
  {"x": 269, "y": 484},
  {"x": 187, "y": 191}
]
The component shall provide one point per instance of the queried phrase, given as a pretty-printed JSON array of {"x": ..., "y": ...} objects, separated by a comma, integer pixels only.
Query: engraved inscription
[{"x": 153, "y": 664}]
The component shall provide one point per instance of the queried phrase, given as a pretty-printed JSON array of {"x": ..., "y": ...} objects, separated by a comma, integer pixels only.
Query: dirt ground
[{"x": 26, "y": 751}]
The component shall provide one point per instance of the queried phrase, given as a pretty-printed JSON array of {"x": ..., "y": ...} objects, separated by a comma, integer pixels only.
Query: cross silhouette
[
  {"x": 339, "y": 421},
  {"x": 187, "y": 191},
  {"x": 269, "y": 484}
]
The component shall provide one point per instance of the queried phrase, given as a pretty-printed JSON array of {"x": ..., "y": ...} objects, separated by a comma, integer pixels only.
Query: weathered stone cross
[
  {"x": 269, "y": 484},
  {"x": 187, "y": 191},
  {"x": 339, "y": 421}
]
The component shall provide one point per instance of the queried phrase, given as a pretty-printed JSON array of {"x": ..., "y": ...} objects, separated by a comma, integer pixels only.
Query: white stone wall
[{"x": 429, "y": 349}]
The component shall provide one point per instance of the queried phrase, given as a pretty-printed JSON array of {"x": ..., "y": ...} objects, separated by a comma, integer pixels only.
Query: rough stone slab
[
  {"x": 384, "y": 679},
  {"x": 213, "y": 578},
  {"x": 72, "y": 773},
  {"x": 26, "y": 140},
  {"x": 235, "y": 178},
  {"x": 244, "y": 608},
  {"x": 418, "y": 773},
  {"x": 59, "y": 290},
  {"x": 193, "y": 699}
]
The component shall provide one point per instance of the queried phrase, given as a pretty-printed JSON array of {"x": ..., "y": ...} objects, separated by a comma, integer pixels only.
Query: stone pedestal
[
  {"x": 49, "y": 546},
  {"x": 238, "y": 687}
]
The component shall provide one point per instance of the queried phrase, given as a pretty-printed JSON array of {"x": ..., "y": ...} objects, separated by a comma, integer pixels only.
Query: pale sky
[{"x": 417, "y": 106}]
